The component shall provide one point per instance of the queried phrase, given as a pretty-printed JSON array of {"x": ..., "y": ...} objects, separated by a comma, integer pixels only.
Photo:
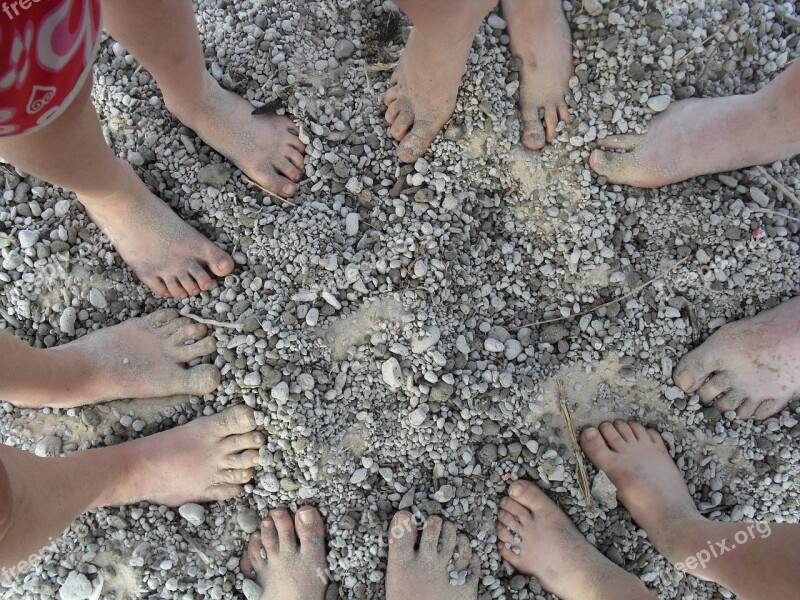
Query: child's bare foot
[
  {"x": 265, "y": 147},
  {"x": 208, "y": 459},
  {"x": 711, "y": 135},
  {"x": 167, "y": 254},
  {"x": 140, "y": 358},
  {"x": 288, "y": 559},
  {"x": 647, "y": 479},
  {"x": 424, "y": 574},
  {"x": 541, "y": 38},
  {"x": 538, "y": 539},
  {"x": 424, "y": 86},
  {"x": 751, "y": 366}
]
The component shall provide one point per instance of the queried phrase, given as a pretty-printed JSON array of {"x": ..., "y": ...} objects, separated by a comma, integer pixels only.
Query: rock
[
  {"x": 359, "y": 476},
  {"x": 351, "y": 224},
  {"x": 604, "y": 491},
  {"x": 343, "y": 49},
  {"x": 593, "y": 7},
  {"x": 28, "y": 238},
  {"x": 76, "y": 587},
  {"x": 495, "y": 21},
  {"x": 97, "y": 299},
  {"x": 441, "y": 392},
  {"x": 48, "y": 446},
  {"x": 251, "y": 590},
  {"x": 759, "y": 197},
  {"x": 423, "y": 342},
  {"x": 216, "y": 175},
  {"x": 513, "y": 349},
  {"x": 193, "y": 513},
  {"x": 248, "y": 520},
  {"x": 659, "y": 103},
  {"x": 62, "y": 208},
  {"x": 493, "y": 345},
  {"x": 488, "y": 455},
  {"x": 552, "y": 334},
  {"x": 392, "y": 374},
  {"x": 280, "y": 393},
  {"x": 445, "y": 494},
  {"x": 418, "y": 416},
  {"x": 66, "y": 322},
  {"x": 252, "y": 379}
]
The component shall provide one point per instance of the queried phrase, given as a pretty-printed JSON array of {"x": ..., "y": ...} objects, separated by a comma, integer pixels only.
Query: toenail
[
  {"x": 591, "y": 433},
  {"x": 516, "y": 490},
  {"x": 307, "y": 516}
]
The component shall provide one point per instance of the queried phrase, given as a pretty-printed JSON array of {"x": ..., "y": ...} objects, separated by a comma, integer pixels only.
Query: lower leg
[{"x": 163, "y": 36}]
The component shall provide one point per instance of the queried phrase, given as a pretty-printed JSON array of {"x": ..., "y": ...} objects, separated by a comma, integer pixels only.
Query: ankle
[
  {"x": 117, "y": 187},
  {"x": 195, "y": 109}
]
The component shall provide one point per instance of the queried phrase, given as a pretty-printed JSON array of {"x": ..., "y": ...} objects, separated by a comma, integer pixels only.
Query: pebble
[
  {"x": 351, "y": 224},
  {"x": 418, "y": 417},
  {"x": 659, "y": 103},
  {"x": 97, "y": 299},
  {"x": 343, "y": 49},
  {"x": 493, "y": 345},
  {"x": 426, "y": 340},
  {"x": 280, "y": 393},
  {"x": 48, "y": 446},
  {"x": 495, "y": 21},
  {"x": 248, "y": 520},
  {"x": 76, "y": 587},
  {"x": 252, "y": 379},
  {"x": 193, "y": 513},
  {"x": 604, "y": 491},
  {"x": 359, "y": 476},
  {"x": 28, "y": 238},
  {"x": 593, "y": 8},
  {"x": 251, "y": 590},
  {"x": 759, "y": 197},
  {"x": 66, "y": 322},
  {"x": 392, "y": 374},
  {"x": 216, "y": 175}
]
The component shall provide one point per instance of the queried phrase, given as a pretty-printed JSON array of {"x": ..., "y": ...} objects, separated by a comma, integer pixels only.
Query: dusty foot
[
  {"x": 208, "y": 459},
  {"x": 648, "y": 481},
  {"x": 140, "y": 358},
  {"x": 424, "y": 86},
  {"x": 168, "y": 255},
  {"x": 751, "y": 366},
  {"x": 698, "y": 137},
  {"x": 265, "y": 147},
  {"x": 541, "y": 37},
  {"x": 424, "y": 574},
  {"x": 538, "y": 539},
  {"x": 288, "y": 559}
]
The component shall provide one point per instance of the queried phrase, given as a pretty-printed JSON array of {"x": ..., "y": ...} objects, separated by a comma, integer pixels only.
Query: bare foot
[
  {"x": 168, "y": 255},
  {"x": 711, "y": 135},
  {"x": 751, "y": 366},
  {"x": 424, "y": 574},
  {"x": 140, "y": 358},
  {"x": 424, "y": 86},
  {"x": 265, "y": 147},
  {"x": 648, "y": 481},
  {"x": 541, "y": 38},
  {"x": 288, "y": 559},
  {"x": 538, "y": 539},
  {"x": 208, "y": 459}
]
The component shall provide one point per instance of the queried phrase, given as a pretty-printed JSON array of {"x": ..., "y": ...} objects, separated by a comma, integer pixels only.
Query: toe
[
  {"x": 769, "y": 408},
  {"x": 551, "y": 121},
  {"x": 617, "y": 168},
  {"x": 595, "y": 447},
  {"x": 563, "y": 112},
  {"x": 417, "y": 142},
  {"x": 170, "y": 327},
  {"x": 191, "y": 331},
  {"x": 157, "y": 285},
  {"x": 619, "y": 142},
  {"x": 507, "y": 521},
  {"x": 162, "y": 317},
  {"x": 255, "y": 556},
  {"x": 748, "y": 408},
  {"x": 243, "y": 460},
  {"x": 448, "y": 539},
  {"x": 287, "y": 168},
  {"x": 528, "y": 495},
  {"x": 639, "y": 431},
  {"x": 504, "y": 533},
  {"x": 402, "y": 536},
  {"x": 517, "y": 510},
  {"x": 189, "y": 284},
  {"x": 392, "y": 113},
  {"x": 234, "y": 476},
  {"x": 310, "y": 530},
  {"x": 224, "y": 492},
  {"x": 612, "y": 436},
  {"x": 296, "y": 158},
  {"x": 656, "y": 438},
  {"x": 624, "y": 430},
  {"x": 201, "y": 276},
  {"x": 463, "y": 553},
  {"x": 219, "y": 261},
  {"x": 730, "y": 400},
  {"x": 692, "y": 371},
  {"x": 401, "y": 124},
  {"x": 508, "y": 555},
  {"x": 391, "y": 94},
  {"x": 269, "y": 536},
  {"x": 715, "y": 386},
  {"x": 236, "y": 420},
  {"x": 285, "y": 526},
  {"x": 533, "y": 134},
  {"x": 246, "y": 441},
  {"x": 474, "y": 570},
  {"x": 204, "y": 347},
  {"x": 200, "y": 380},
  {"x": 429, "y": 542},
  {"x": 175, "y": 288}
]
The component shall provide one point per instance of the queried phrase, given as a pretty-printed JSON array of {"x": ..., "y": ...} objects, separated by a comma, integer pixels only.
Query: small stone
[
  {"x": 445, "y": 494},
  {"x": 248, "y": 520},
  {"x": 251, "y": 590},
  {"x": 513, "y": 349},
  {"x": 593, "y": 7},
  {"x": 359, "y": 476},
  {"x": 495, "y": 21},
  {"x": 604, "y": 491},
  {"x": 66, "y": 321},
  {"x": 759, "y": 197},
  {"x": 659, "y": 103},
  {"x": 76, "y": 587},
  {"x": 552, "y": 334},
  {"x": 343, "y": 49},
  {"x": 48, "y": 446},
  {"x": 62, "y": 208},
  {"x": 426, "y": 340},
  {"x": 351, "y": 222},
  {"x": 28, "y": 238},
  {"x": 216, "y": 175},
  {"x": 193, "y": 513},
  {"x": 392, "y": 374},
  {"x": 493, "y": 345},
  {"x": 252, "y": 379},
  {"x": 418, "y": 416},
  {"x": 280, "y": 393},
  {"x": 97, "y": 299}
]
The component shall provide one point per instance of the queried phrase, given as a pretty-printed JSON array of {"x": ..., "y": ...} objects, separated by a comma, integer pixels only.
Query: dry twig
[
  {"x": 268, "y": 193},
  {"x": 213, "y": 323},
  {"x": 583, "y": 478},
  {"x": 782, "y": 187}
]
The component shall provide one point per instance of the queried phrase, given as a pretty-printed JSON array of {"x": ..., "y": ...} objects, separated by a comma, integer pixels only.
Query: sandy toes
[
  {"x": 751, "y": 366},
  {"x": 541, "y": 38},
  {"x": 287, "y": 559}
]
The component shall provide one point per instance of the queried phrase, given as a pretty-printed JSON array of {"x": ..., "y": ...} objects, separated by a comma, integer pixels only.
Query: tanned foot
[
  {"x": 541, "y": 38},
  {"x": 287, "y": 559},
  {"x": 702, "y": 136},
  {"x": 168, "y": 255},
  {"x": 751, "y": 366},
  {"x": 208, "y": 459},
  {"x": 424, "y": 574},
  {"x": 424, "y": 86},
  {"x": 140, "y": 358},
  {"x": 539, "y": 540},
  {"x": 648, "y": 481},
  {"x": 265, "y": 147}
]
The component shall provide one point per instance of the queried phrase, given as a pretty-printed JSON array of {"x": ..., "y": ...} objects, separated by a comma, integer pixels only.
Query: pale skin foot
[
  {"x": 751, "y": 366},
  {"x": 711, "y": 135},
  {"x": 423, "y": 573},
  {"x": 753, "y": 560},
  {"x": 140, "y": 358},
  {"x": 424, "y": 86},
  {"x": 538, "y": 539},
  {"x": 287, "y": 557},
  {"x": 541, "y": 38}
]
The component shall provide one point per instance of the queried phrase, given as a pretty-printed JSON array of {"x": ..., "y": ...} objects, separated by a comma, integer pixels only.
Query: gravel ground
[{"x": 383, "y": 313}]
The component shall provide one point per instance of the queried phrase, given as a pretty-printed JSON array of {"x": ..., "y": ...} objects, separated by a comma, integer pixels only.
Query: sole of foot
[
  {"x": 208, "y": 459},
  {"x": 265, "y": 147},
  {"x": 648, "y": 482},
  {"x": 420, "y": 564},
  {"x": 751, "y": 366},
  {"x": 160, "y": 345},
  {"x": 286, "y": 557},
  {"x": 424, "y": 87},
  {"x": 541, "y": 39},
  {"x": 167, "y": 254}
]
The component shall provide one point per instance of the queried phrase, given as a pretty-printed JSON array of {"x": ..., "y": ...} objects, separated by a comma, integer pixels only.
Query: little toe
[
  {"x": 463, "y": 553},
  {"x": 162, "y": 317},
  {"x": 236, "y": 420},
  {"x": 748, "y": 408},
  {"x": 639, "y": 431},
  {"x": 612, "y": 436},
  {"x": 504, "y": 533},
  {"x": 508, "y": 555},
  {"x": 201, "y": 380},
  {"x": 429, "y": 541},
  {"x": 656, "y": 438},
  {"x": 288, "y": 170},
  {"x": 285, "y": 526},
  {"x": 692, "y": 371},
  {"x": 188, "y": 352},
  {"x": 448, "y": 539},
  {"x": 551, "y": 121},
  {"x": 533, "y": 137},
  {"x": 269, "y": 536},
  {"x": 619, "y": 142},
  {"x": 246, "y": 459},
  {"x": 563, "y": 112},
  {"x": 201, "y": 276},
  {"x": 769, "y": 408},
  {"x": 310, "y": 530},
  {"x": 517, "y": 510},
  {"x": 474, "y": 570},
  {"x": 224, "y": 492},
  {"x": 715, "y": 386},
  {"x": 401, "y": 124},
  {"x": 402, "y": 536},
  {"x": 595, "y": 447},
  {"x": 391, "y": 95},
  {"x": 417, "y": 142}
]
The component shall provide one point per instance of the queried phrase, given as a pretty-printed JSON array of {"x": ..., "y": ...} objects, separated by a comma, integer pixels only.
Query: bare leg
[
  {"x": 424, "y": 87},
  {"x": 141, "y": 358},
  {"x": 537, "y": 538},
  {"x": 163, "y": 36},
  {"x": 287, "y": 559},
  {"x": 541, "y": 38},
  {"x": 753, "y": 560},
  {"x": 751, "y": 366},
  {"x": 208, "y": 459},
  {"x": 424, "y": 574},
  {"x": 709, "y": 135},
  {"x": 168, "y": 255}
]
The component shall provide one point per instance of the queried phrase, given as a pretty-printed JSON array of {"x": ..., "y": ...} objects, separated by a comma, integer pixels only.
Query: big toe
[
  {"x": 417, "y": 142},
  {"x": 691, "y": 372},
  {"x": 402, "y": 536},
  {"x": 528, "y": 495},
  {"x": 311, "y": 530},
  {"x": 595, "y": 447},
  {"x": 615, "y": 167},
  {"x": 233, "y": 421}
]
